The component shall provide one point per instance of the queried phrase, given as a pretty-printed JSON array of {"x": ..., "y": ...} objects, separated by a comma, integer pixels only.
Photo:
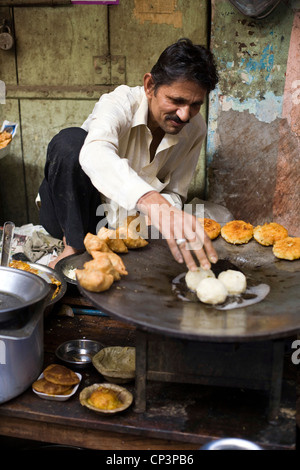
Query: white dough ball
[
  {"x": 211, "y": 291},
  {"x": 192, "y": 278},
  {"x": 234, "y": 281}
]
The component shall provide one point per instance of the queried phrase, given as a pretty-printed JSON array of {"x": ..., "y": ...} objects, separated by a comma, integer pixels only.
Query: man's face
[{"x": 172, "y": 107}]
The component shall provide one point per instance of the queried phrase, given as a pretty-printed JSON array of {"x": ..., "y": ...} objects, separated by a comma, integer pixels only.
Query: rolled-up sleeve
[{"x": 101, "y": 158}]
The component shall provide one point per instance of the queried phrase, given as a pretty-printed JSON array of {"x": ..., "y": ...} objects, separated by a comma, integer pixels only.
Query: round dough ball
[
  {"x": 234, "y": 281},
  {"x": 192, "y": 278},
  {"x": 211, "y": 291}
]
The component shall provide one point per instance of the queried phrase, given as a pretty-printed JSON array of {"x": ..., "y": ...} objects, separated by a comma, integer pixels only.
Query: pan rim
[{"x": 37, "y": 298}]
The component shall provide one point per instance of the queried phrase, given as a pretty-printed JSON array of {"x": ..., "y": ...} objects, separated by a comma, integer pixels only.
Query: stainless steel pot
[{"x": 23, "y": 297}]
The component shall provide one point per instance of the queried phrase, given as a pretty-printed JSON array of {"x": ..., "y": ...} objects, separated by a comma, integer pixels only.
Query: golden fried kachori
[
  {"x": 44, "y": 386},
  {"x": 59, "y": 374},
  {"x": 269, "y": 233},
  {"x": 211, "y": 227},
  {"x": 237, "y": 232},
  {"x": 288, "y": 248}
]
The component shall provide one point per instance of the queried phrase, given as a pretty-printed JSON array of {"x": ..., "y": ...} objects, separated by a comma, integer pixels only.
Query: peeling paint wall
[{"x": 247, "y": 126}]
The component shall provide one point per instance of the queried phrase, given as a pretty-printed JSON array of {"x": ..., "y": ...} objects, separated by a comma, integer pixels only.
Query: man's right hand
[{"x": 176, "y": 225}]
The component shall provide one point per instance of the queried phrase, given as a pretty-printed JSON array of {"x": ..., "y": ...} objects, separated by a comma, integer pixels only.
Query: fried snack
[
  {"x": 104, "y": 399},
  {"x": 288, "y": 248},
  {"x": 269, "y": 233},
  {"x": 211, "y": 227},
  {"x": 115, "y": 259},
  {"x": 111, "y": 239},
  {"x": 94, "y": 243},
  {"x": 130, "y": 238},
  {"x": 61, "y": 375},
  {"x": 5, "y": 139},
  {"x": 44, "y": 386},
  {"x": 129, "y": 233},
  {"x": 237, "y": 232},
  {"x": 104, "y": 265},
  {"x": 23, "y": 266},
  {"x": 94, "y": 281}
]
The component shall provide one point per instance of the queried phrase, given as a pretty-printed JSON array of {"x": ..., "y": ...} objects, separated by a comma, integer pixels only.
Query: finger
[
  {"x": 175, "y": 250},
  {"x": 190, "y": 261},
  {"x": 203, "y": 248}
]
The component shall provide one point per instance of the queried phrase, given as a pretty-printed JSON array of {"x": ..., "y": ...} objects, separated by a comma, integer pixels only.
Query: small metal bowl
[{"x": 78, "y": 352}]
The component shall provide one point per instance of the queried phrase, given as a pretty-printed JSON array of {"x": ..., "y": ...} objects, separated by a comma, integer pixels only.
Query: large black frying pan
[{"x": 146, "y": 298}]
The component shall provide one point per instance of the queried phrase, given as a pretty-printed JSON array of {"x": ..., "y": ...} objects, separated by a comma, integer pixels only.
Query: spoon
[{"x": 8, "y": 232}]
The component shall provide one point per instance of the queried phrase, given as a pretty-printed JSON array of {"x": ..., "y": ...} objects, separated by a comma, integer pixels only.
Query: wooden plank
[{"x": 87, "y": 438}]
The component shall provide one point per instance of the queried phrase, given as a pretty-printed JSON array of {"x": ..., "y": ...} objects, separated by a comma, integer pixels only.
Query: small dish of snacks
[
  {"x": 106, "y": 398},
  {"x": 56, "y": 382}
]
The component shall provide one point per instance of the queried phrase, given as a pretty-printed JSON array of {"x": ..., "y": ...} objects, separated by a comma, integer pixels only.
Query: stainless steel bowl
[
  {"x": 19, "y": 290},
  {"x": 78, "y": 352}
]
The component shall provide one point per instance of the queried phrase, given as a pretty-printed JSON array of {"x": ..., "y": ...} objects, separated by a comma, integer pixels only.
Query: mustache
[{"x": 176, "y": 119}]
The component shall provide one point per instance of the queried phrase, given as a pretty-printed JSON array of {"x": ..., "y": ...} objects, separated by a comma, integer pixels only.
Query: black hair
[{"x": 184, "y": 60}]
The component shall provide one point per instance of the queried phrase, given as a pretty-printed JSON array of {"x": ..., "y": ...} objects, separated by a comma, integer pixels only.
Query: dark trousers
[{"x": 68, "y": 199}]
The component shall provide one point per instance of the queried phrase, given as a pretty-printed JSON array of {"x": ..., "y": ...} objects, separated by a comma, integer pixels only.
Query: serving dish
[
  {"x": 78, "y": 352},
  {"x": 116, "y": 364},
  {"x": 123, "y": 395},
  {"x": 58, "y": 397},
  {"x": 51, "y": 276},
  {"x": 67, "y": 266}
]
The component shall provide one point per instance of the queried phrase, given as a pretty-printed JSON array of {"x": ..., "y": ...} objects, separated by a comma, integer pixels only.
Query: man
[{"x": 138, "y": 150}]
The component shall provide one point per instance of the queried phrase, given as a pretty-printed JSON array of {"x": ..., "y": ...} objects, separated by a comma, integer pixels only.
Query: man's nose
[{"x": 184, "y": 113}]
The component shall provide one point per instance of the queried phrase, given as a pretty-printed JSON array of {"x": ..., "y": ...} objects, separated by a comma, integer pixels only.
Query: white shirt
[{"x": 116, "y": 152}]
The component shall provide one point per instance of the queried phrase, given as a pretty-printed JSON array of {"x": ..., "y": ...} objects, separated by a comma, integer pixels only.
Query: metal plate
[
  {"x": 145, "y": 297},
  {"x": 66, "y": 267},
  {"x": 47, "y": 273}
]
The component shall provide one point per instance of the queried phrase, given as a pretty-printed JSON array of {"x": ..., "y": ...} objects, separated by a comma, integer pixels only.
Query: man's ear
[{"x": 148, "y": 84}]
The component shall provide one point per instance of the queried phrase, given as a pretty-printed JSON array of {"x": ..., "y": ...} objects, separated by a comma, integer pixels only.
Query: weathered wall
[
  {"x": 65, "y": 57},
  {"x": 253, "y": 147}
]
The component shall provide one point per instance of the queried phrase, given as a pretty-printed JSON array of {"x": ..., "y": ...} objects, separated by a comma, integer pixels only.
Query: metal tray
[{"x": 47, "y": 274}]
